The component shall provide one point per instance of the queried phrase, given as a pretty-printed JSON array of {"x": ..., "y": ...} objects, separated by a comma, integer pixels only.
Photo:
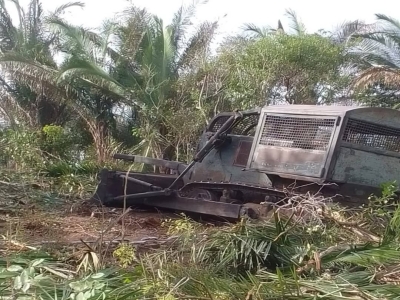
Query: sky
[{"x": 234, "y": 13}]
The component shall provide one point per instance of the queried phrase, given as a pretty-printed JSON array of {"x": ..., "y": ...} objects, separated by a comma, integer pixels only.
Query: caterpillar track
[{"x": 242, "y": 192}]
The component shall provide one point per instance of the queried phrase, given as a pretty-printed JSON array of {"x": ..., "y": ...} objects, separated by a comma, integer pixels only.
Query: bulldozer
[{"x": 266, "y": 155}]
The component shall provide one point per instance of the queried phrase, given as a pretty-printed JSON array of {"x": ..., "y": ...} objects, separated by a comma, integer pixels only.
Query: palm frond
[
  {"x": 82, "y": 68},
  {"x": 296, "y": 23},
  {"x": 27, "y": 70},
  {"x": 347, "y": 30},
  {"x": 378, "y": 51},
  {"x": 131, "y": 34},
  {"x": 62, "y": 8},
  {"x": 388, "y": 76},
  {"x": 256, "y": 31},
  {"x": 389, "y": 24},
  {"x": 109, "y": 31},
  {"x": 21, "y": 13},
  {"x": 8, "y": 33},
  {"x": 76, "y": 39},
  {"x": 198, "y": 46},
  {"x": 180, "y": 22}
]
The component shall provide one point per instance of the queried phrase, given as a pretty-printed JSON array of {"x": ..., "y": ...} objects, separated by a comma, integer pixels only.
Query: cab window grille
[
  {"x": 297, "y": 132},
  {"x": 246, "y": 126},
  {"x": 372, "y": 135}
]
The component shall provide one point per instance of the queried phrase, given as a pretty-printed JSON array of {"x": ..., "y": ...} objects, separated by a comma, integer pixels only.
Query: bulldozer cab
[
  {"x": 273, "y": 140},
  {"x": 227, "y": 162},
  {"x": 341, "y": 144}
]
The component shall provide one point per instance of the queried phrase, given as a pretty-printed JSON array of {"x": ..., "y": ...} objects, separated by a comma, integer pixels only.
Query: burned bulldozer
[{"x": 267, "y": 155}]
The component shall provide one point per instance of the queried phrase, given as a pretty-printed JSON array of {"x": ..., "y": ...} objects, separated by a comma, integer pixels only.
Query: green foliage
[
  {"x": 295, "y": 69},
  {"x": 88, "y": 288},
  {"x": 62, "y": 168},
  {"x": 57, "y": 141},
  {"x": 181, "y": 226},
  {"x": 378, "y": 95},
  {"x": 153, "y": 91},
  {"x": 376, "y": 48},
  {"x": 21, "y": 148},
  {"x": 125, "y": 254}
]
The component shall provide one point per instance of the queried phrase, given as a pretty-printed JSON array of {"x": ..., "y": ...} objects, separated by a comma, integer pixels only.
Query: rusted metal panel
[
  {"x": 293, "y": 144},
  {"x": 218, "y": 166},
  {"x": 242, "y": 153},
  {"x": 292, "y": 161},
  {"x": 365, "y": 168}
]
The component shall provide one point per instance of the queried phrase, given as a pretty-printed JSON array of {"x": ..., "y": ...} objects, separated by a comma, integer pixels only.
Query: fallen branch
[
  {"x": 114, "y": 241},
  {"x": 355, "y": 227},
  {"x": 318, "y": 257}
]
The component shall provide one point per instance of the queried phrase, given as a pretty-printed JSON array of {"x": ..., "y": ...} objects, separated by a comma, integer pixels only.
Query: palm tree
[
  {"x": 30, "y": 40},
  {"x": 144, "y": 70},
  {"x": 136, "y": 62},
  {"x": 71, "y": 84},
  {"x": 86, "y": 76},
  {"x": 379, "y": 54},
  {"x": 160, "y": 57}
]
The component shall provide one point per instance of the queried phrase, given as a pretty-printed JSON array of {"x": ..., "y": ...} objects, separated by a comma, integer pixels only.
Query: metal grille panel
[
  {"x": 218, "y": 123},
  {"x": 372, "y": 135},
  {"x": 297, "y": 132},
  {"x": 245, "y": 127}
]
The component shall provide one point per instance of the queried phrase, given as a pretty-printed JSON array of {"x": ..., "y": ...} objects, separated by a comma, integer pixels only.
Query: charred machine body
[{"x": 264, "y": 155}]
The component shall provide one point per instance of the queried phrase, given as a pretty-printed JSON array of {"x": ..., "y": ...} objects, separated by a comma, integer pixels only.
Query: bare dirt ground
[
  {"x": 28, "y": 221},
  {"x": 66, "y": 226}
]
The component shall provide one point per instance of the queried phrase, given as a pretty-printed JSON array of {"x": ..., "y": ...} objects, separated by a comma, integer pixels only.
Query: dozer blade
[{"x": 137, "y": 189}]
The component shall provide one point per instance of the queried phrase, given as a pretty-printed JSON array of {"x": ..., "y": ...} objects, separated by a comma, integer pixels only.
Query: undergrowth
[{"x": 269, "y": 259}]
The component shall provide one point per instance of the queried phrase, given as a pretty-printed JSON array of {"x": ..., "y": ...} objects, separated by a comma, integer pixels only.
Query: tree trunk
[{"x": 98, "y": 131}]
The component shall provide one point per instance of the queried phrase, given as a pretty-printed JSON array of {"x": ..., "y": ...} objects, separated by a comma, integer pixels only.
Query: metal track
[
  {"x": 278, "y": 194},
  {"x": 244, "y": 188}
]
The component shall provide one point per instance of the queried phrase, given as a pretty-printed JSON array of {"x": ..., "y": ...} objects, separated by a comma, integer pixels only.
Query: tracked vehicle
[{"x": 268, "y": 155}]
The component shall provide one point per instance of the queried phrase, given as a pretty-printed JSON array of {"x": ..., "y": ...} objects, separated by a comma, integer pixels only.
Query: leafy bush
[
  {"x": 62, "y": 167},
  {"x": 56, "y": 141},
  {"x": 20, "y": 148}
]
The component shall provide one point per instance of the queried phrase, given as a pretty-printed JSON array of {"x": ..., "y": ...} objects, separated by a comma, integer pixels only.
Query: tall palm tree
[
  {"x": 29, "y": 39},
  {"x": 81, "y": 83}
]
